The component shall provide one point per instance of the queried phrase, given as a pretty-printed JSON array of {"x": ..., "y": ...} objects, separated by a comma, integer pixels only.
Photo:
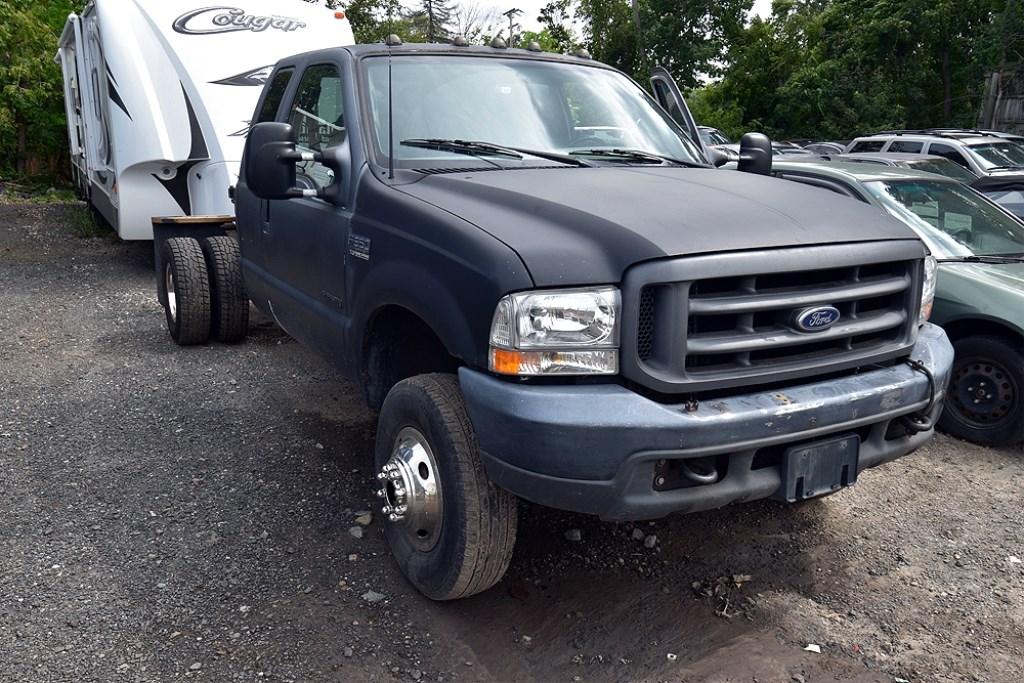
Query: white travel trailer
[{"x": 159, "y": 96}]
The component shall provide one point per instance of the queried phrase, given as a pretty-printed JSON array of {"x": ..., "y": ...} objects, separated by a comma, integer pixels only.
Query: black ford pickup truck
[{"x": 548, "y": 292}]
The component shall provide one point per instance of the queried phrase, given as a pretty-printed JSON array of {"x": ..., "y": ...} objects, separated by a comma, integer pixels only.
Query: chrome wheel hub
[
  {"x": 172, "y": 297},
  {"x": 410, "y": 489}
]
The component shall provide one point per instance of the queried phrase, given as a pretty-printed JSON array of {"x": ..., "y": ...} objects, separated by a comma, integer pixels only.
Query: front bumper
[{"x": 598, "y": 449}]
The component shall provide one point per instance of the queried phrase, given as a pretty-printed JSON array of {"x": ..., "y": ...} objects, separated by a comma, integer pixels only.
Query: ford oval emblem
[{"x": 816, "y": 319}]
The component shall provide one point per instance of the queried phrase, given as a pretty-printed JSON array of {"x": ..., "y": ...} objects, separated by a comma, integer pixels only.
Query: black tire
[
  {"x": 184, "y": 275},
  {"x": 478, "y": 519},
  {"x": 229, "y": 313},
  {"x": 984, "y": 403}
]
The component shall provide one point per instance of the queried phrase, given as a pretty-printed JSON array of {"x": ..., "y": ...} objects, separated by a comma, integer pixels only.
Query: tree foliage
[
  {"x": 33, "y": 136},
  {"x": 834, "y": 69},
  {"x": 813, "y": 68}
]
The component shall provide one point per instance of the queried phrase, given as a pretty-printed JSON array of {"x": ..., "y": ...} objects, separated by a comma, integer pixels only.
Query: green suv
[{"x": 980, "y": 290}]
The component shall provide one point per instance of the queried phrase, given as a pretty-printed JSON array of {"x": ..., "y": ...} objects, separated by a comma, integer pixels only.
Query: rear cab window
[{"x": 275, "y": 93}]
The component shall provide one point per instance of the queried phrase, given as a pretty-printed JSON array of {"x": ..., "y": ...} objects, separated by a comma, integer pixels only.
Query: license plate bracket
[{"x": 817, "y": 469}]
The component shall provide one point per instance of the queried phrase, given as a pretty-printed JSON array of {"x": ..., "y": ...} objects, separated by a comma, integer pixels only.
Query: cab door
[
  {"x": 668, "y": 95},
  {"x": 305, "y": 238}
]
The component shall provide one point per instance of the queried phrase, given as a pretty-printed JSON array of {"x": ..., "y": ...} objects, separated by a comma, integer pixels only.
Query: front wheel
[
  {"x": 450, "y": 529},
  {"x": 984, "y": 402}
]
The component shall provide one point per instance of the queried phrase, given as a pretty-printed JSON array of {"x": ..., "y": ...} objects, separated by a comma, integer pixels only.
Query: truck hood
[{"x": 588, "y": 225}]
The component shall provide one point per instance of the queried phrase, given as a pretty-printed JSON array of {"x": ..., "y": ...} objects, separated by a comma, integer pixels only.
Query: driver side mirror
[
  {"x": 270, "y": 160},
  {"x": 755, "y": 154}
]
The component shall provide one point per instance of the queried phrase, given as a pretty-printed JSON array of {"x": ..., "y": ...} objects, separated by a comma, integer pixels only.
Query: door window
[
  {"x": 949, "y": 152},
  {"x": 907, "y": 146},
  {"x": 318, "y": 117},
  {"x": 868, "y": 146}
]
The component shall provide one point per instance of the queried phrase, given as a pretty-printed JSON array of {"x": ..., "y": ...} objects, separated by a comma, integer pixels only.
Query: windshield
[
  {"x": 1012, "y": 200},
  {"x": 945, "y": 167},
  {"x": 951, "y": 218},
  {"x": 526, "y": 104},
  {"x": 999, "y": 154}
]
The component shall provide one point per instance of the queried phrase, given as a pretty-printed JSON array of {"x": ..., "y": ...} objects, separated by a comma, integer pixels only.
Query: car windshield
[
  {"x": 526, "y": 104},
  {"x": 1010, "y": 199},
  {"x": 945, "y": 167},
  {"x": 951, "y": 218},
  {"x": 999, "y": 154}
]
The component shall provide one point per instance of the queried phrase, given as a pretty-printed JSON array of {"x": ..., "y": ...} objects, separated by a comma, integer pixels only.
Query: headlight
[
  {"x": 557, "y": 332},
  {"x": 931, "y": 269}
]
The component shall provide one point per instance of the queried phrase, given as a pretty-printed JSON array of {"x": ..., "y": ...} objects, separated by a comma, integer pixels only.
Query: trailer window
[
  {"x": 275, "y": 93},
  {"x": 317, "y": 115}
]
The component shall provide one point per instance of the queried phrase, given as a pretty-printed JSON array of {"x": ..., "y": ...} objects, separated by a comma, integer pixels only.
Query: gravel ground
[{"x": 186, "y": 514}]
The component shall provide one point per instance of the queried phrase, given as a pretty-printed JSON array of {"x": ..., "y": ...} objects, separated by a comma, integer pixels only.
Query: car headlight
[
  {"x": 931, "y": 272},
  {"x": 556, "y": 332}
]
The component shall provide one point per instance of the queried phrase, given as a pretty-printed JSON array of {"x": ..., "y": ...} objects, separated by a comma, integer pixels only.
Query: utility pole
[
  {"x": 512, "y": 14},
  {"x": 430, "y": 21}
]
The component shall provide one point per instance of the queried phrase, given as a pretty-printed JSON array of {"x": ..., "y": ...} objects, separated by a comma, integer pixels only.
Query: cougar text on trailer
[{"x": 159, "y": 97}]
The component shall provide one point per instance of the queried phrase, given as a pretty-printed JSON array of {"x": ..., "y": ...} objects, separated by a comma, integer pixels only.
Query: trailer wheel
[
  {"x": 229, "y": 313},
  {"x": 450, "y": 528},
  {"x": 185, "y": 291}
]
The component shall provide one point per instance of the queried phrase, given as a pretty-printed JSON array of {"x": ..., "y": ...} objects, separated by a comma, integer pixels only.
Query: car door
[
  {"x": 306, "y": 237},
  {"x": 668, "y": 95}
]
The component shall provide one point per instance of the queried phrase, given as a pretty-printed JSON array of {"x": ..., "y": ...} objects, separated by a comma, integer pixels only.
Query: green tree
[
  {"x": 33, "y": 136},
  {"x": 557, "y": 19}
]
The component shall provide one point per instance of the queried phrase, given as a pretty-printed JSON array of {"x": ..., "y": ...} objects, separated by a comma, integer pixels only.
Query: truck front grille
[{"x": 729, "y": 320}]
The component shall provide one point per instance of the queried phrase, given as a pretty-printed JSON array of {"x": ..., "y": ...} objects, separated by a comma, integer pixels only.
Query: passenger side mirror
[
  {"x": 755, "y": 154},
  {"x": 270, "y": 158}
]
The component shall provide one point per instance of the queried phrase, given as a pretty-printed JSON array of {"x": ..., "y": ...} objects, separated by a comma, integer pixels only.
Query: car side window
[
  {"x": 907, "y": 146},
  {"x": 318, "y": 117},
  {"x": 275, "y": 93},
  {"x": 949, "y": 152},
  {"x": 868, "y": 146}
]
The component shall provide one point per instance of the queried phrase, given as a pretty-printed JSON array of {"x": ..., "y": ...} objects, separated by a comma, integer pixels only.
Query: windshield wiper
[
  {"x": 635, "y": 155},
  {"x": 478, "y": 147},
  {"x": 981, "y": 258}
]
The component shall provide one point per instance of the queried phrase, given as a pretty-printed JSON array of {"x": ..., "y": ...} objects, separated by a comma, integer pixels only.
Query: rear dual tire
[
  {"x": 185, "y": 291},
  {"x": 202, "y": 290},
  {"x": 229, "y": 304}
]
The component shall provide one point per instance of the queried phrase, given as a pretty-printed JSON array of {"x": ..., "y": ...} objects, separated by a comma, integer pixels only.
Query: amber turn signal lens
[{"x": 506, "y": 362}]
